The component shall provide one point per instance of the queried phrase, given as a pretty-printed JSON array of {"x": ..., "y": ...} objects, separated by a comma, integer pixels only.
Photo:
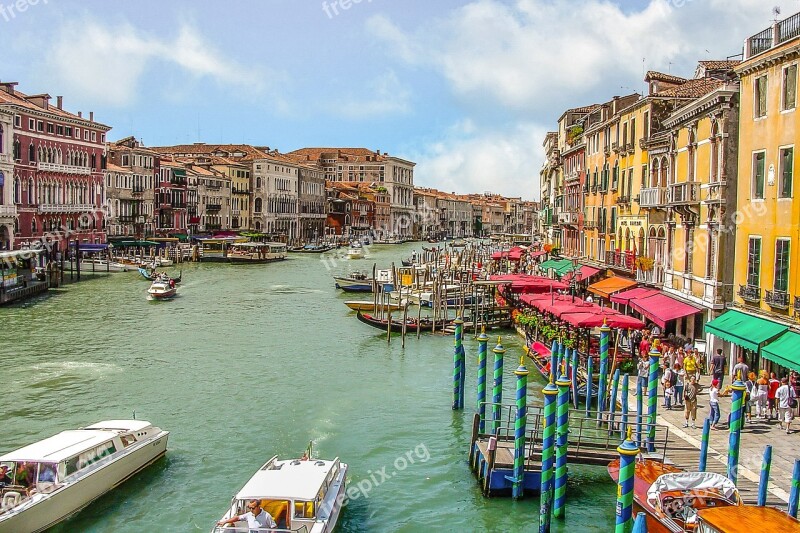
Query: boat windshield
[{"x": 683, "y": 506}]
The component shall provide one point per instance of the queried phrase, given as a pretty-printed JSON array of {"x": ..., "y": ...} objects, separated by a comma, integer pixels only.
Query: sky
[{"x": 466, "y": 89}]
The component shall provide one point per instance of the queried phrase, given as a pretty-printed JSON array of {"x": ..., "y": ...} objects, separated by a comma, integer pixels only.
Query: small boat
[
  {"x": 162, "y": 289},
  {"x": 301, "y": 495},
  {"x": 151, "y": 275},
  {"x": 425, "y": 324},
  {"x": 356, "y": 282},
  {"x": 368, "y": 305},
  {"x": 55, "y": 478},
  {"x": 356, "y": 251},
  {"x": 312, "y": 249},
  {"x": 256, "y": 252},
  {"x": 671, "y": 498}
]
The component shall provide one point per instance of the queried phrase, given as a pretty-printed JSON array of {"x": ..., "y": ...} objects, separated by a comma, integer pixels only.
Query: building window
[
  {"x": 77, "y": 133},
  {"x": 17, "y": 121},
  {"x": 754, "y": 262},
  {"x": 31, "y": 124},
  {"x": 94, "y": 136},
  {"x": 786, "y": 173},
  {"x": 782, "y": 265},
  {"x": 39, "y": 125},
  {"x": 789, "y": 87},
  {"x": 758, "y": 175},
  {"x": 760, "y": 97}
]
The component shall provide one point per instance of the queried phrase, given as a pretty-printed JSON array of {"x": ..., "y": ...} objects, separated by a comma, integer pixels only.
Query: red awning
[
  {"x": 586, "y": 273},
  {"x": 625, "y": 297},
  {"x": 514, "y": 254},
  {"x": 538, "y": 253},
  {"x": 595, "y": 320},
  {"x": 660, "y": 308},
  {"x": 527, "y": 284}
]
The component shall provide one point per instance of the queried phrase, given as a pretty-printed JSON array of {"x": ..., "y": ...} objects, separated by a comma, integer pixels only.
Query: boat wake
[{"x": 288, "y": 289}]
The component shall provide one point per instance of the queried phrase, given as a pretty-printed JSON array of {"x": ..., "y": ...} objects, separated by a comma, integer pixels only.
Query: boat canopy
[
  {"x": 685, "y": 481},
  {"x": 288, "y": 480},
  {"x": 60, "y": 447}
]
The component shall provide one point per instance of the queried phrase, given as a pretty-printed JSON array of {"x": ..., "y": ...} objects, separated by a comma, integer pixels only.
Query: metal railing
[
  {"x": 777, "y": 299},
  {"x": 789, "y": 28},
  {"x": 750, "y": 293},
  {"x": 685, "y": 193},
  {"x": 66, "y": 169},
  {"x": 653, "y": 197},
  {"x": 66, "y": 208},
  {"x": 760, "y": 42}
]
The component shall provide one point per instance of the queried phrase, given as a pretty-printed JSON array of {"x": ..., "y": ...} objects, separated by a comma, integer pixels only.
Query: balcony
[
  {"x": 213, "y": 207},
  {"x": 621, "y": 260},
  {"x": 8, "y": 210},
  {"x": 63, "y": 169},
  {"x": 6, "y": 158},
  {"x": 66, "y": 208},
  {"x": 589, "y": 224},
  {"x": 624, "y": 200},
  {"x": 643, "y": 142},
  {"x": 715, "y": 192},
  {"x": 138, "y": 191},
  {"x": 236, "y": 190},
  {"x": 615, "y": 148},
  {"x": 653, "y": 197},
  {"x": 235, "y": 211},
  {"x": 777, "y": 299},
  {"x": 573, "y": 176},
  {"x": 750, "y": 294},
  {"x": 630, "y": 147},
  {"x": 684, "y": 193}
]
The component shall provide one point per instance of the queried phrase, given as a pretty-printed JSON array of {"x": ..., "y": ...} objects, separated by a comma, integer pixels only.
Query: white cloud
[
  {"x": 533, "y": 54},
  {"x": 383, "y": 95},
  {"x": 108, "y": 63},
  {"x": 505, "y": 162}
]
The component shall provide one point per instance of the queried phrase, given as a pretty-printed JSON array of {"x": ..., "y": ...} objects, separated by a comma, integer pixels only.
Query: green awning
[
  {"x": 745, "y": 330},
  {"x": 785, "y": 350},
  {"x": 561, "y": 266}
]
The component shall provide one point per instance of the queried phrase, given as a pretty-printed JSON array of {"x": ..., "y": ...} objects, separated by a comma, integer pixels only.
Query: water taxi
[
  {"x": 357, "y": 281},
  {"x": 46, "y": 482},
  {"x": 256, "y": 252},
  {"x": 672, "y": 498},
  {"x": 356, "y": 251},
  {"x": 301, "y": 495},
  {"x": 162, "y": 288}
]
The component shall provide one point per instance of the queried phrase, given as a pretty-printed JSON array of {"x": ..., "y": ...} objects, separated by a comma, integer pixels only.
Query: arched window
[
  {"x": 1, "y": 139},
  {"x": 257, "y": 205},
  {"x": 31, "y": 154},
  {"x": 33, "y": 226},
  {"x": 30, "y": 192},
  {"x": 17, "y": 150},
  {"x": 17, "y": 191}
]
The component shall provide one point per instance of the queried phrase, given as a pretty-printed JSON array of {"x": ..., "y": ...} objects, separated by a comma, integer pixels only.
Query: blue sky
[{"x": 466, "y": 89}]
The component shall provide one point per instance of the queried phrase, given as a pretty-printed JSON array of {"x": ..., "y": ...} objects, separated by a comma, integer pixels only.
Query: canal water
[{"x": 251, "y": 361}]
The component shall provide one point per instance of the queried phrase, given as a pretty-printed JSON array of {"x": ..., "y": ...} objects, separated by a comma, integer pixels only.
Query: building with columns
[
  {"x": 57, "y": 183},
  {"x": 8, "y": 211}
]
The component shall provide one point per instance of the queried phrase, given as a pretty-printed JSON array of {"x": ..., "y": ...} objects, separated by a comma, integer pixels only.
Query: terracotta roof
[
  {"x": 719, "y": 65},
  {"x": 653, "y": 75},
  {"x": 691, "y": 89},
  {"x": 21, "y": 99},
  {"x": 346, "y": 154},
  {"x": 250, "y": 152},
  {"x": 111, "y": 167}
]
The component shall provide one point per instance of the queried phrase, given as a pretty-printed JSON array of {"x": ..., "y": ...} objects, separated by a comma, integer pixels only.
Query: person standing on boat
[{"x": 257, "y": 518}]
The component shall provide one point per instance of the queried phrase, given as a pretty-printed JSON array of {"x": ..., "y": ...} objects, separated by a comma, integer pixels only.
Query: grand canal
[{"x": 253, "y": 361}]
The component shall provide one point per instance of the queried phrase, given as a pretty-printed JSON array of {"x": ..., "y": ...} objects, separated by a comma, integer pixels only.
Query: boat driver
[
  {"x": 5, "y": 479},
  {"x": 257, "y": 518}
]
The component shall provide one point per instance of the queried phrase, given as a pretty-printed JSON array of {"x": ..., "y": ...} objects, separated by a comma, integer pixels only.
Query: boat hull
[
  {"x": 359, "y": 305},
  {"x": 397, "y": 325},
  {"x": 352, "y": 285},
  {"x": 59, "y": 505}
]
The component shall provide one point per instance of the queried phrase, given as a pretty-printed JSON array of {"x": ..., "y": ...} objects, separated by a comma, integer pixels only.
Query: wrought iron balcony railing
[
  {"x": 777, "y": 299},
  {"x": 750, "y": 293}
]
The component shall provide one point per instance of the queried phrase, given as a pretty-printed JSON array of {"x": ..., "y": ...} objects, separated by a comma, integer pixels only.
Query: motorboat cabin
[
  {"x": 257, "y": 252},
  {"x": 300, "y": 495},
  {"x": 43, "y": 483}
]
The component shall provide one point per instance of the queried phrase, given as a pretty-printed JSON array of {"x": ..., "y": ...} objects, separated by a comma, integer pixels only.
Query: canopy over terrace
[
  {"x": 609, "y": 286},
  {"x": 580, "y": 313},
  {"x": 585, "y": 271},
  {"x": 514, "y": 254},
  {"x": 613, "y": 319},
  {"x": 559, "y": 266},
  {"x": 785, "y": 351},
  {"x": 661, "y": 309},
  {"x": 527, "y": 284}
]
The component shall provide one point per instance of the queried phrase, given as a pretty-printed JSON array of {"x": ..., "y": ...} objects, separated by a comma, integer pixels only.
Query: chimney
[
  {"x": 91, "y": 116},
  {"x": 60, "y": 102},
  {"x": 40, "y": 100},
  {"x": 80, "y": 114},
  {"x": 8, "y": 86}
]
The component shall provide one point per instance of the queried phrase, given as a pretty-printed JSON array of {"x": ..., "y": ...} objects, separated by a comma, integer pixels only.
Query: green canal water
[{"x": 251, "y": 361}]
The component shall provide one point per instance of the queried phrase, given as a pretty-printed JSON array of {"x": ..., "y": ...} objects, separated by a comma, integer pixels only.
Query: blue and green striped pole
[
  {"x": 568, "y": 360},
  {"x": 483, "y": 348},
  {"x": 589, "y": 365},
  {"x": 497, "y": 390},
  {"x": 652, "y": 399},
  {"x": 704, "y": 445},
  {"x": 554, "y": 351},
  {"x": 735, "y": 438},
  {"x": 519, "y": 429},
  {"x": 763, "y": 482},
  {"x": 548, "y": 443},
  {"x": 562, "y": 432},
  {"x": 794, "y": 491},
  {"x": 639, "y": 410},
  {"x": 624, "y": 402},
  {"x": 457, "y": 392},
  {"x": 627, "y": 468},
  {"x": 612, "y": 401},
  {"x": 603, "y": 383},
  {"x": 574, "y": 378}
]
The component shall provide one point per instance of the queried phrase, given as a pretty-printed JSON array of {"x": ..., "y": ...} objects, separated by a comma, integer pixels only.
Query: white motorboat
[
  {"x": 162, "y": 288},
  {"x": 301, "y": 495},
  {"x": 52, "y": 479},
  {"x": 356, "y": 251}
]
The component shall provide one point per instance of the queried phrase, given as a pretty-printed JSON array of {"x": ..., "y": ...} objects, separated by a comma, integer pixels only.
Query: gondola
[
  {"x": 425, "y": 324},
  {"x": 149, "y": 277}
]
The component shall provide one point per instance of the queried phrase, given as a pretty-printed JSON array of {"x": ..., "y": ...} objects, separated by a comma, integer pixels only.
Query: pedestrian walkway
[{"x": 755, "y": 437}]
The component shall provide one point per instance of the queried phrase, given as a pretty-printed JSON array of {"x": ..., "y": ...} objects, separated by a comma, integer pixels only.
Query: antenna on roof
[{"x": 776, "y": 11}]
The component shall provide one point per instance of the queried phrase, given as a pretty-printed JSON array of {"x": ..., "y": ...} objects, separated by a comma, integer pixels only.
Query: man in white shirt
[
  {"x": 782, "y": 396},
  {"x": 258, "y": 520}
]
